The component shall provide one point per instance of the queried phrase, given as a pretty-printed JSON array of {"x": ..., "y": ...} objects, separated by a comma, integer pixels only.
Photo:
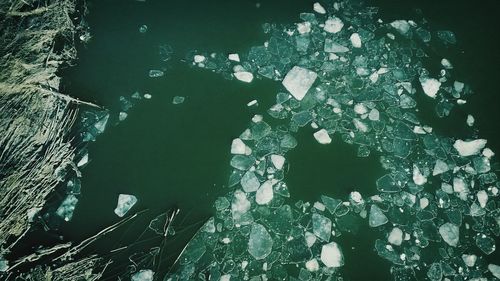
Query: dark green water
[{"x": 177, "y": 155}]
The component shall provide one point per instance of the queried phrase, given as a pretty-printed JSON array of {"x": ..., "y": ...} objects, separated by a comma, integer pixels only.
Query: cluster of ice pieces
[{"x": 346, "y": 73}]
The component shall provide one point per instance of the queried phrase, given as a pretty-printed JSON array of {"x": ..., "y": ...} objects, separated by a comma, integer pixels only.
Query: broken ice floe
[{"x": 357, "y": 82}]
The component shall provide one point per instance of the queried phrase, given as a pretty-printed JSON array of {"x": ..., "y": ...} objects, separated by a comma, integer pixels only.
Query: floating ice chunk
[
  {"x": 312, "y": 265},
  {"x": 395, "y": 236},
  {"x": 470, "y": 120},
  {"x": 250, "y": 182},
  {"x": 310, "y": 239},
  {"x": 154, "y": 73},
  {"x": 83, "y": 161},
  {"x": 101, "y": 124},
  {"x": 143, "y": 28},
  {"x": 469, "y": 260},
  {"x": 418, "y": 177},
  {"x": 122, "y": 116},
  {"x": 199, "y": 58},
  {"x": 333, "y": 47},
  {"x": 333, "y": 25},
  {"x": 67, "y": 207},
  {"x": 430, "y": 86},
  {"x": 319, "y": 9},
  {"x": 240, "y": 205},
  {"x": 298, "y": 81},
  {"x": 485, "y": 243},
  {"x": 488, "y": 153},
  {"x": 374, "y": 115},
  {"x": 234, "y": 57},
  {"x": 238, "y": 147},
  {"x": 355, "y": 40},
  {"x": 440, "y": 167},
  {"x": 252, "y": 103},
  {"x": 143, "y": 275},
  {"x": 265, "y": 193},
  {"x": 278, "y": 161},
  {"x": 360, "y": 109},
  {"x": 402, "y": 26},
  {"x": 125, "y": 203},
  {"x": 458, "y": 86},
  {"x": 377, "y": 217},
  {"x": 178, "y": 100},
  {"x": 322, "y": 137},
  {"x": 446, "y": 64},
  {"x": 147, "y": 96},
  {"x": 322, "y": 226},
  {"x": 450, "y": 234},
  {"x": 304, "y": 27},
  {"x": 495, "y": 270},
  {"x": 260, "y": 243},
  {"x": 468, "y": 148},
  {"x": 4, "y": 265},
  {"x": 331, "y": 255},
  {"x": 244, "y": 76}
]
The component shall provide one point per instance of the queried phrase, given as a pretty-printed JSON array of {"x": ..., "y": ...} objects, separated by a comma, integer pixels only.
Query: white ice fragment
[
  {"x": 122, "y": 116},
  {"x": 250, "y": 182},
  {"x": 374, "y": 115},
  {"x": 252, "y": 103},
  {"x": 147, "y": 96},
  {"x": 322, "y": 137},
  {"x": 469, "y": 260},
  {"x": 418, "y": 177},
  {"x": 430, "y": 86},
  {"x": 234, "y": 57},
  {"x": 298, "y": 81},
  {"x": 360, "y": 109},
  {"x": 265, "y": 193},
  {"x": 240, "y": 204},
  {"x": 355, "y": 40},
  {"x": 83, "y": 161},
  {"x": 333, "y": 25},
  {"x": 125, "y": 203},
  {"x": 143, "y": 275},
  {"x": 312, "y": 265},
  {"x": 278, "y": 161},
  {"x": 424, "y": 202},
  {"x": 377, "y": 217},
  {"x": 67, "y": 207},
  {"x": 468, "y": 148},
  {"x": 446, "y": 64},
  {"x": 360, "y": 125},
  {"x": 458, "y": 86},
  {"x": 225, "y": 277},
  {"x": 395, "y": 236},
  {"x": 331, "y": 255},
  {"x": 402, "y": 26},
  {"x": 319, "y": 9},
  {"x": 310, "y": 239},
  {"x": 244, "y": 76},
  {"x": 440, "y": 167},
  {"x": 199, "y": 58},
  {"x": 304, "y": 27},
  {"x": 495, "y": 270},
  {"x": 238, "y": 146},
  {"x": 488, "y": 153},
  {"x": 450, "y": 234},
  {"x": 257, "y": 118},
  {"x": 470, "y": 120},
  {"x": 482, "y": 197}
]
